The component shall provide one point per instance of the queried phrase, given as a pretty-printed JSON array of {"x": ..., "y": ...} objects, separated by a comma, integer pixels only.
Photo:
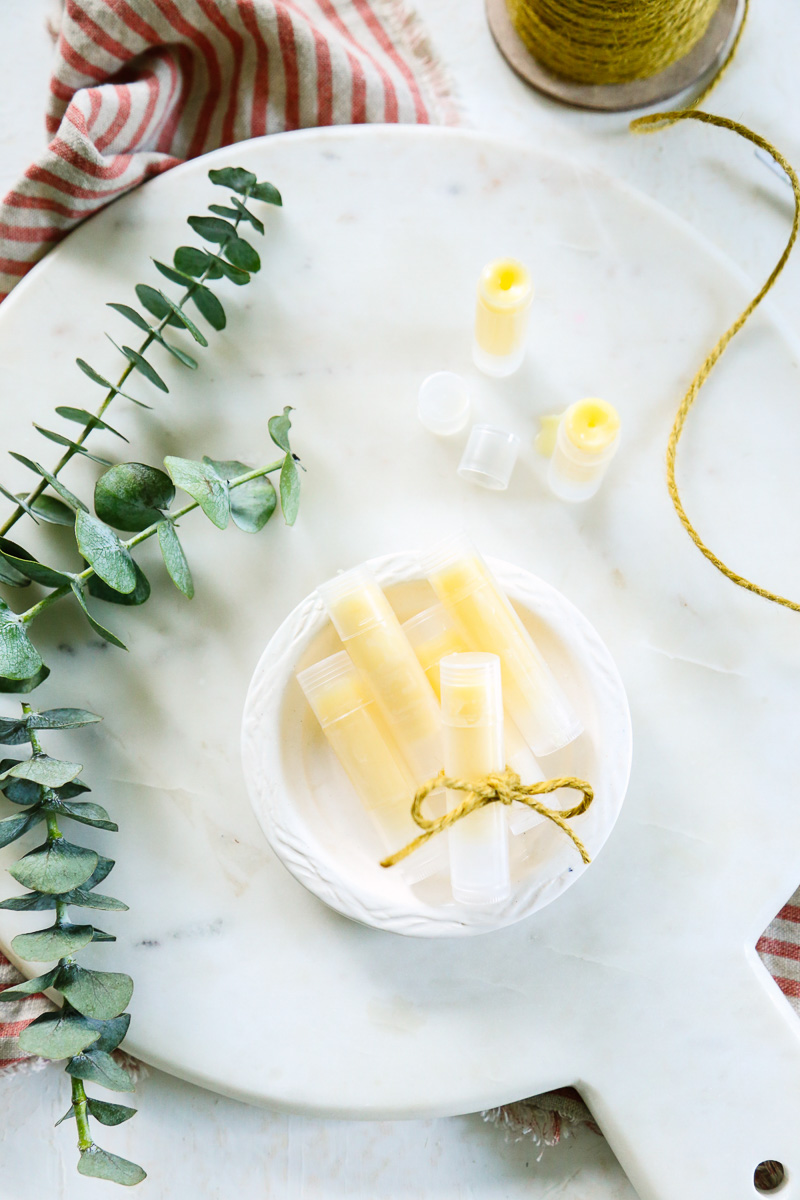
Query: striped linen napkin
[{"x": 139, "y": 86}]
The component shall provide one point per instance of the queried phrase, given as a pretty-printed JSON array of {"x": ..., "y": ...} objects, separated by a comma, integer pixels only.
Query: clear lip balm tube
[
  {"x": 354, "y": 729},
  {"x": 586, "y": 441},
  {"x": 433, "y": 634},
  {"x": 472, "y": 723},
  {"x": 505, "y": 293},
  {"x": 372, "y": 636},
  {"x": 533, "y": 699}
]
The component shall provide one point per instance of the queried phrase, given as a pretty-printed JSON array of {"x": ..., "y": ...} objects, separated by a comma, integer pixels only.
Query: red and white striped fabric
[{"x": 141, "y": 85}]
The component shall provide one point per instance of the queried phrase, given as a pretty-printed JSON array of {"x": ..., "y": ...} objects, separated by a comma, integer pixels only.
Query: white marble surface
[{"x": 195, "y": 1136}]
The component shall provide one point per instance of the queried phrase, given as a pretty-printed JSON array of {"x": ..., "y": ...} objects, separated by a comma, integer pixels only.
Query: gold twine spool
[{"x": 610, "y": 41}]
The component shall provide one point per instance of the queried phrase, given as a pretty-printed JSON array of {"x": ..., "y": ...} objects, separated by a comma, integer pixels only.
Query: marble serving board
[{"x": 641, "y": 984}]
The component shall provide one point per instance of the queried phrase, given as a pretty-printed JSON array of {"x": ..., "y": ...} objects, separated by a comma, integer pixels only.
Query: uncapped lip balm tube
[
  {"x": 472, "y": 724},
  {"x": 434, "y": 634},
  {"x": 353, "y": 728},
  {"x": 470, "y": 593},
  {"x": 374, "y": 639},
  {"x": 505, "y": 293},
  {"x": 586, "y": 441}
]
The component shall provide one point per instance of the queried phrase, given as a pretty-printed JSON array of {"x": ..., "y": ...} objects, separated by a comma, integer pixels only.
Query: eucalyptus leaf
[
  {"x": 220, "y": 210},
  {"x": 253, "y": 503},
  {"x": 11, "y": 576},
  {"x": 244, "y": 214},
  {"x": 19, "y": 502},
  {"x": 131, "y": 496},
  {"x": 186, "y": 321},
  {"x": 154, "y": 302},
  {"x": 14, "y": 731},
  {"x": 46, "y": 771},
  {"x": 101, "y": 547},
  {"x": 191, "y": 261},
  {"x": 88, "y": 814},
  {"x": 290, "y": 490},
  {"x": 58, "y": 941},
  {"x": 15, "y": 826},
  {"x": 109, "y": 1114},
  {"x": 175, "y": 559},
  {"x": 141, "y": 364},
  {"x": 100, "y": 935},
  {"x": 28, "y": 684},
  {"x": 24, "y": 562},
  {"x": 242, "y": 254},
  {"x": 111, "y": 1032},
  {"x": 29, "y": 902},
  {"x": 62, "y": 718},
  {"x": 212, "y": 229},
  {"x": 204, "y": 486},
  {"x": 266, "y": 192},
  {"x": 234, "y": 273},
  {"x": 99, "y": 629},
  {"x": 179, "y": 277},
  {"x": 57, "y": 1035},
  {"x": 97, "y": 1066},
  {"x": 84, "y": 899},
  {"x": 102, "y": 871},
  {"x": 55, "y": 512},
  {"x": 55, "y": 866},
  {"x": 82, "y": 417},
  {"x": 140, "y": 594},
  {"x": 132, "y": 315},
  {"x": 279, "y": 430},
  {"x": 99, "y": 1164},
  {"x": 208, "y": 304},
  {"x": 110, "y": 387},
  {"x": 181, "y": 355},
  {"x": 235, "y": 178},
  {"x": 29, "y": 987},
  {"x": 19, "y": 658},
  {"x": 55, "y": 483},
  {"x": 102, "y": 995},
  {"x": 75, "y": 447}
]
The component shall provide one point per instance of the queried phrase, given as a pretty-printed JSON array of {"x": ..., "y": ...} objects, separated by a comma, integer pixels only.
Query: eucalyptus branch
[
  {"x": 137, "y": 499},
  {"x": 95, "y": 421}
]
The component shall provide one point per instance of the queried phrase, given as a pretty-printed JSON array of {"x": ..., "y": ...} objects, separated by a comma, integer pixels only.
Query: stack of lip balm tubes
[{"x": 460, "y": 686}]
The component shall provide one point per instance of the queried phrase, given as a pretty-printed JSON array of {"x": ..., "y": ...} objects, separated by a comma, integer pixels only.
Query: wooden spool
[{"x": 699, "y": 64}]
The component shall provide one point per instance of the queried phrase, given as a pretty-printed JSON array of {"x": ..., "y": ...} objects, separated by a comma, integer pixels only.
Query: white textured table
[{"x": 309, "y": 1158}]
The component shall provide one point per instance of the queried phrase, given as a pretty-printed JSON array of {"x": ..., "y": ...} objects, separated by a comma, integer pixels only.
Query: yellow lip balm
[
  {"x": 372, "y": 636},
  {"x": 472, "y": 723},
  {"x": 355, "y": 732},
  {"x": 586, "y": 441},
  {"x": 434, "y": 634},
  {"x": 472, "y": 596},
  {"x": 505, "y": 293}
]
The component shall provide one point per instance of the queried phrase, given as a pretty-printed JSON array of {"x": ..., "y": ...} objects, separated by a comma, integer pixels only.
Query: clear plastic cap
[
  {"x": 334, "y": 688},
  {"x": 472, "y": 693},
  {"x": 490, "y": 457},
  {"x": 443, "y": 404},
  {"x": 354, "y": 601}
]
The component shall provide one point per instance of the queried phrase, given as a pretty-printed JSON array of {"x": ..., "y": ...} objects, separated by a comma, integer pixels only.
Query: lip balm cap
[
  {"x": 354, "y": 602},
  {"x": 333, "y": 688},
  {"x": 490, "y": 457},
  {"x": 443, "y": 403},
  {"x": 471, "y": 689}
]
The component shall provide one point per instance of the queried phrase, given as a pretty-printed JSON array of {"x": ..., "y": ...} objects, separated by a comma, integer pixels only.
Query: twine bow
[{"x": 505, "y": 787}]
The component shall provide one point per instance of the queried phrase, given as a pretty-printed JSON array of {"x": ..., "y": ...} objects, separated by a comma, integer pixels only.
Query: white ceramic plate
[{"x": 305, "y": 805}]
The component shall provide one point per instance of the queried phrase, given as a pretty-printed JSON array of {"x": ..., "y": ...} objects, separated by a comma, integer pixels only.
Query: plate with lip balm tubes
[{"x": 413, "y": 664}]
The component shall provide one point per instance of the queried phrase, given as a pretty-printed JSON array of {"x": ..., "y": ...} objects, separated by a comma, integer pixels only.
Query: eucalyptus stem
[
  {"x": 70, "y": 452},
  {"x": 81, "y": 1110}
]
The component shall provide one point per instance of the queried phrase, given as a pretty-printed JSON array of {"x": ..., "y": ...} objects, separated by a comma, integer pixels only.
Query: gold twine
[
  {"x": 579, "y": 38},
  {"x": 504, "y": 787}
]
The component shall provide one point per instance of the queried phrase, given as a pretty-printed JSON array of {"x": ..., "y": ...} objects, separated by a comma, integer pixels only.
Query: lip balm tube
[
  {"x": 354, "y": 730},
  {"x": 533, "y": 699},
  {"x": 472, "y": 724},
  {"x": 586, "y": 441},
  {"x": 433, "y": 634},
  {"x": 372, "y": 636},
  {"x": 505, "y": 293}
]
